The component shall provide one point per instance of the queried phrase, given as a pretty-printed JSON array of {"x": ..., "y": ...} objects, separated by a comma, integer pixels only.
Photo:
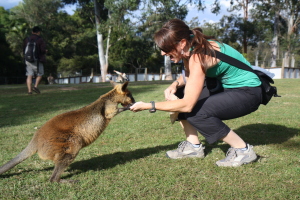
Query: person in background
[
  {"x": 108, "y": 77},
  {"x": 199, "y": 110},
  {"x": 35, "y": 68},
  {"x": 121, "y": 76},
  {"x": 50, "y": 79}
]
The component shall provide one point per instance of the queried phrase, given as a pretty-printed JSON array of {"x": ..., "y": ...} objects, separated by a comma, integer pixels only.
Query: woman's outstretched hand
[{"x": 138, "y": 106}]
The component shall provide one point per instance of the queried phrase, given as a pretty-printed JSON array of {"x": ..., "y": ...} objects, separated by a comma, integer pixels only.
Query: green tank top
[{"x": 231, "y": 76}]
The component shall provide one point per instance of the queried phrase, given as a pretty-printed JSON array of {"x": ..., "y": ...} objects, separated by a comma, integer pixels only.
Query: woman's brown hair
[{"x": 175, "y": 30}]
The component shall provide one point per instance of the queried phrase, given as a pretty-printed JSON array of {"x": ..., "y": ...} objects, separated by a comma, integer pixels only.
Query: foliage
[
  {"x": 132, "y": 52},
  {"x": 77, "y": 65},
  {"x": 37, "y": 12},
  {"x": 234, "y": 28},
  {"x": 287, "y": 25},
  {"x": 10, "y": 62},
  {"x": 127, "y": 27},
  {"x": 154, "y": 16}
]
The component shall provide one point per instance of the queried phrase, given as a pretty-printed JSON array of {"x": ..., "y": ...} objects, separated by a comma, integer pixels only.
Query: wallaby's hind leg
[{"x": 60, "y": 166}]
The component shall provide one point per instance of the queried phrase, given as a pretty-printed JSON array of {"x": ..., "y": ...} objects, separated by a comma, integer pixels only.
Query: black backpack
[
  {"x": 268, "y": 91},
  {"x": 31, "y": 50}
]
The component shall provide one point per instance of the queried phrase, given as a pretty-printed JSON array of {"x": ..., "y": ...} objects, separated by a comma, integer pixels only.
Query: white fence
[
  {"x": 288, "y": 73},
  {"x": 291, "y": 73},
  {"x": 97, "y": 79}
]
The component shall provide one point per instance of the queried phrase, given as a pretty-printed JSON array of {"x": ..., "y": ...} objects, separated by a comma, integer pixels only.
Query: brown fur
[{"x": 61, "y": 138}]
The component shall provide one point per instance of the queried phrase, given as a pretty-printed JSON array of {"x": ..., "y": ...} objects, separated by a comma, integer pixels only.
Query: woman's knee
[{"x": 196, "y": 119}]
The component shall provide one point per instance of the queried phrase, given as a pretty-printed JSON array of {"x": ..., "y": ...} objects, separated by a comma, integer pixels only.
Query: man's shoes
[
  {"x": 237, "y": 157},
  {"x": 36, "y": 90},
  {"x": 186, "y": 150}
]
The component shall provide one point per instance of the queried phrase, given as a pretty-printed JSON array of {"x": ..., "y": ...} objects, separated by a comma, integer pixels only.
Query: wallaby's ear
[
  {"x": 113, "y": 83},
  {"x": 124, "y": 86}
]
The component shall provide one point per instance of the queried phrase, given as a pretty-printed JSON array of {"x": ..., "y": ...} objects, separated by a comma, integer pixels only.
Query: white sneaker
[
  {"x": 186, "y": 150},
  {"x": 237, "y": 157}
]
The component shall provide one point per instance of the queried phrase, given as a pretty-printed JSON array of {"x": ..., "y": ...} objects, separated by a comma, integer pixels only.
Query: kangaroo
[{"x": 61, "y": 138}]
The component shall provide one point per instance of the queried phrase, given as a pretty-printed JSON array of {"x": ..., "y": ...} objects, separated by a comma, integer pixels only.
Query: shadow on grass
[
  {"x": 262, "y": 134},
  {"x": 255, "y": 134},
  {"x": 111, "y": 160},
  {"x": 103, "y": 162}
]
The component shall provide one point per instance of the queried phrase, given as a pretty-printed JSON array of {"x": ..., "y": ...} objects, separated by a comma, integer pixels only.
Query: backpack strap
[
  {"x": 26, "y": 40},
  {"x": 233, "y": 61},
  {"x": 37, "y": 54},
  {"x": 37, "y": 51},
  {"x": 239, "y": 64},
  {"x": 262, "y": 76}
]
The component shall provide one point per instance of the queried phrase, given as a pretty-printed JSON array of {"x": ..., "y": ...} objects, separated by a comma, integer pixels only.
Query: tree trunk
[
  {"x": 103, "y": 63},
  {"x": 168, "y": 68},
  {"x": 293, "y": 61},
  {"x": 104, "y": 70},
  {"x": 274, "y": 44},
  {"x": 286, "y": 59},
  {"x": 256, "y": 58},
  {"x": 245, "y": 42}
]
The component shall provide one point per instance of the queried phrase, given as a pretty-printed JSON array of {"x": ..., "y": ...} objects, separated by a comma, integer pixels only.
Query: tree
[
  {"x": 235, "y": 29},
  {"x": 31, "y": 13},
  {"x": 284, "y": 14},
  {"x": 10, "y": 63},
  {"x": 103, "y": 58},
  {"x": 108, "y": 14},
  {"x": 73, "y": 39},
  {"x": 37, "y": 12},
  {"x": 291, "y": 14},
  {"x": 237, "y": 5},
  {"x": 132, "y": 52},
  {"x": 155, "y": 16}
]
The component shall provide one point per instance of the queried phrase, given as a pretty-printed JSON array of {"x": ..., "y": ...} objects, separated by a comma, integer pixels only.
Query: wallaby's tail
[{"x": 26, "y": 153}]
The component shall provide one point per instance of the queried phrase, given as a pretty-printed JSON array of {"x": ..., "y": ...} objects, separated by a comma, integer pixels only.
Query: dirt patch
[{"x": 68, "y": 88}]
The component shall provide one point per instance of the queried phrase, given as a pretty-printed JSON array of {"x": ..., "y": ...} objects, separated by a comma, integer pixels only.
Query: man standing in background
[{"x": 35, "y": 67}]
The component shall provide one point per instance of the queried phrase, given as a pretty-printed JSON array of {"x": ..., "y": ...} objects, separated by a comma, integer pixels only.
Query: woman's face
[{"x": 175, "y": 55}]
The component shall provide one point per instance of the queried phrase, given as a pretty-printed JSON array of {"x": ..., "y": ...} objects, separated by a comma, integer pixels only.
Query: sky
[
  {"x": 207, "y": 15},
  {"x": 7, "y": 4},
  {"x": 193, "y": 12}
]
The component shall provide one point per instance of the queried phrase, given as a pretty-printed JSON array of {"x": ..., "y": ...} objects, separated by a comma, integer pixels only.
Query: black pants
[{"x": 211, "y": 109}]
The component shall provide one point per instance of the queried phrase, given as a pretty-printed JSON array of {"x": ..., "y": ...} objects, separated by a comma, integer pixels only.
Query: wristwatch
[{"x": 153, "y": 109}]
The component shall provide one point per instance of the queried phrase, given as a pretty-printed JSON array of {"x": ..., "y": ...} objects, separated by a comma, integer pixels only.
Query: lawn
[{"x": 128, "y": 160}]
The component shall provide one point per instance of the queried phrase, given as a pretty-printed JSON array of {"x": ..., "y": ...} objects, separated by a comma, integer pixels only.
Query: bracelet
[
  {"x": 177, "y": 83},
  {"x": 153, "y": 109}
]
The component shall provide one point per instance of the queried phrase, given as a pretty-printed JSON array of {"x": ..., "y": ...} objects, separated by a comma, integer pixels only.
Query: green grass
[{"x": 128, "y": 160}]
